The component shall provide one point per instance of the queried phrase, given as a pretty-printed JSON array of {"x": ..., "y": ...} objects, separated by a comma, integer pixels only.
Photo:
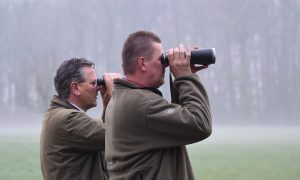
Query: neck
[
  {"x": 135, "y": 79},
  {"x": 76, "y": 104}
]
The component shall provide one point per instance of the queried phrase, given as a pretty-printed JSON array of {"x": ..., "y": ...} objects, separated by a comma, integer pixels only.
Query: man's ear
[
  {"x": 142, "y": 65},
  {"x": 75, "y": 89}
]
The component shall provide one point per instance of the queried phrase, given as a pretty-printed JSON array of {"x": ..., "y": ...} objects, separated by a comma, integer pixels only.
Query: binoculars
[
  {"x": 198, "y": 57},
  {"x": 100, "y": 81}
]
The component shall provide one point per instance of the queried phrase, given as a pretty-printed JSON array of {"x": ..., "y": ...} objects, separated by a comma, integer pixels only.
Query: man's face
[
  {"x": 156, "y": 71},
  {"x": 88, "y": 89}
]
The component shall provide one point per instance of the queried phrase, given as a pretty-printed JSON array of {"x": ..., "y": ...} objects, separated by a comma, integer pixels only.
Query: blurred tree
[{"x": 255, "y": 78}]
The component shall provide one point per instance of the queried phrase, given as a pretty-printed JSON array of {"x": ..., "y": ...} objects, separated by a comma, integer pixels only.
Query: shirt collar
[{"x": 76, "y": 106}]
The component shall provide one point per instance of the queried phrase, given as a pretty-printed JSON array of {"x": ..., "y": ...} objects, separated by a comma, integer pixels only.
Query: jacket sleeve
[
  {"x": 84, "y": 133},
  {"x": 188, "y": 122}
]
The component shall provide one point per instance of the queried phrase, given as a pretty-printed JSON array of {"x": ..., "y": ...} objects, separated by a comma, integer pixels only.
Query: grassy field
[
  {"x": 235, "y": 156},
  {"x": 19, "y": 157},
  {"x": 246, "y": 162}
]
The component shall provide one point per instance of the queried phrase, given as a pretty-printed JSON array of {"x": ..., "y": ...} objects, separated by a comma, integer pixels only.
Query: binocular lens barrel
[
  {"x": 198, "y": 56},
  {"x": 100, "y": 82}
]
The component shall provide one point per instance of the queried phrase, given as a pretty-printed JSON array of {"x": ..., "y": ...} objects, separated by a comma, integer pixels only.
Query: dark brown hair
[{"x": 136, "y": 45}]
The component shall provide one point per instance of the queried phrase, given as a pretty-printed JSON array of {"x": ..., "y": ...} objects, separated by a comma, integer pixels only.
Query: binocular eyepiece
[{"x": 198, "y": 56}]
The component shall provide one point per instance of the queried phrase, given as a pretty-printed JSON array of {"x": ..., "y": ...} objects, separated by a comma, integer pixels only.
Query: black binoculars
[
  {"x": 198, "y": 56},
  {"x": 100, "y": 81}
]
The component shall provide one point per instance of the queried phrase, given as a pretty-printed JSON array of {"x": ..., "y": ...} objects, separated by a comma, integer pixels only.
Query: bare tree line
[{"x": 255, "y": 78}]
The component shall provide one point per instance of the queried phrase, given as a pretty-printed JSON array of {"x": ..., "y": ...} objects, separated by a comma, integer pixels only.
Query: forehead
[
  {"x": 158, "y": 47},
  {"x": 89, "y": 73}
]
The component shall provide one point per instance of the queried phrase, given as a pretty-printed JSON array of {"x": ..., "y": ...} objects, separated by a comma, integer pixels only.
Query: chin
[
  {"x": 160, "y": 84},
  {"x": 95, "y": 104},
  {"x": 92, "y": 105}
]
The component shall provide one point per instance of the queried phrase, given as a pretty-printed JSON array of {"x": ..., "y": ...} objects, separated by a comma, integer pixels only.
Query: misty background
[{"x": 255, "y": 79}]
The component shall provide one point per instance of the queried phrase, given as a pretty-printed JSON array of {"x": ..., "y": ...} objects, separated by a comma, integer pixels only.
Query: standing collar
[{"x": 135, "y": 85}]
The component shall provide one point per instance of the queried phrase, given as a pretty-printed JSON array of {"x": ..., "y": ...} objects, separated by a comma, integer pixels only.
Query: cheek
[
  {"x": 93, "y": 90},
  {"x": 158, "y": 65},
  {"x": 90, "y": 91}
]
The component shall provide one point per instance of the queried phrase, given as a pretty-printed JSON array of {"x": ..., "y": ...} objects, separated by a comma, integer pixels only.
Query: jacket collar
[
  {"x": 132, "y": 85},
  {"x": 57, "y": 101}
]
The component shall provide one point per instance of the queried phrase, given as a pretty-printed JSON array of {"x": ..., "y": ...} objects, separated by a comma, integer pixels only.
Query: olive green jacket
[
  {"x": 146, "y": 135},
  {"x": 71, "y": 144}
]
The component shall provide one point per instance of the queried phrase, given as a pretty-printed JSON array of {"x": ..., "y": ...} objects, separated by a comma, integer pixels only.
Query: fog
[{"x": 255, "y": 81}]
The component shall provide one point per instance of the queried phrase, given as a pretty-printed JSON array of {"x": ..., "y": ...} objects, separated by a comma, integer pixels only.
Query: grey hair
[{"x": 68, "y": 72}]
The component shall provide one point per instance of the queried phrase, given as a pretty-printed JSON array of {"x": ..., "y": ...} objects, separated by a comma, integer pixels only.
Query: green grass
[
  {"x": 19, "y": 158},
  {"x": 210, "y": 161},
  {"x": 246, "y": 161}
]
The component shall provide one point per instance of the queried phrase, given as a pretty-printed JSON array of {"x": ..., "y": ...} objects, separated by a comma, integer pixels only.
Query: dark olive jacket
[
  {"x": 71, "y": 144},
  {"x": 146, "y": 135}
]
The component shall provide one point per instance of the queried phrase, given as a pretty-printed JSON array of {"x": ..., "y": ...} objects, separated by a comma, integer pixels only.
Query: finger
[
  {"x": 113, "y": 76},
  {"x": 196, "y": 68},
  {"x": 171, "y": 55},
  {"x": 176, "y": 53},
  {"x": 102, "y": 90},
  {"x": 106, "y": 76},
  {"x": 118, "y": 75},
  {"x": 188, "y": 53},
  {"x": 203, "y": 67},
  {"x": 181, "y": 52}
]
